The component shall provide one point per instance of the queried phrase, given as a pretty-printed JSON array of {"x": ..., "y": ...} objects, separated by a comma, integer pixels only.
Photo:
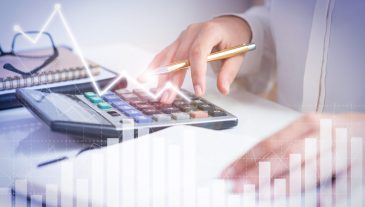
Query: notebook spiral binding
[{"x": 46, "y": 77}]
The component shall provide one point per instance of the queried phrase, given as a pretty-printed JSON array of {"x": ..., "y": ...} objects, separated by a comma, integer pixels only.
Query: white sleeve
[{"x": 259, "y": 66}]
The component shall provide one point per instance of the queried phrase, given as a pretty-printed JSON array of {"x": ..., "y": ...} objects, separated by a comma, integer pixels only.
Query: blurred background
[{"x": 148, "y": 24}]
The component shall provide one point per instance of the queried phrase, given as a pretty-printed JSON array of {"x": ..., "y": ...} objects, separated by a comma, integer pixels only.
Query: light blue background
[{"x": 151, "y": 24}]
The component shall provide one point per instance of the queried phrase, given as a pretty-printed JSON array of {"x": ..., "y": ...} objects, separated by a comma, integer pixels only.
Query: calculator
[{"x": 108, "y": 116}]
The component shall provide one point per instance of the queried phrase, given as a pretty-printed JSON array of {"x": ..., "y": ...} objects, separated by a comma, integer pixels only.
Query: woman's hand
[
  {"x": 289, "y": 140},
  {"x": 195, "y": 44}
]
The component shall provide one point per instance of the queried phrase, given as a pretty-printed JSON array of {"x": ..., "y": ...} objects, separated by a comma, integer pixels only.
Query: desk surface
[{"x": 25, "y": 141}]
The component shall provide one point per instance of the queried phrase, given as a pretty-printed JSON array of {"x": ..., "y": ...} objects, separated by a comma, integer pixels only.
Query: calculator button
[
  {"x": 178, "y": 103},
  {"x": 197, "y": 102},
  {"x": 186, "y": 108},
  {"x": 143, "y": 106},
  {"x": 205, "y": 107},
  {"x": 178, "y": 98},
  {"x": 135, "y": 102},
  {"x": 149, "y": 98},
  {"x": 199, "y": 114},
  {"x": 150, "y": 111},
  {"x": 170, "y": 110},
  {"x": 95, "y": 99},
  {"x": 146, "y": 99},
  {"x": 193, "y": 97},
  {"x": 162, "y": 105},
  {"x": 111, "y": 98},
  {"x": 143, "y": 119},
  {"x": 138, "y": 91},
  {"x": 161, "y": 117},
  {"x": 113, "y": 113},
  {"x": 143, "y": 96},
  {"x": 153, "y": 101},
  {"x": 108, "y": 93},
  {"x": 216, "y": 112},
  {"x": 133, "y": 113},
  {"x": 89, "y": 94},
  {"x": 119, "y": 103},
  {"x": 180, "y": 116},
  {"x": 128, "y": 96},
  {"x": 123, "y": 91},
  {"x": 104, "y": 105},
  {"x": 124, "y": 108}
]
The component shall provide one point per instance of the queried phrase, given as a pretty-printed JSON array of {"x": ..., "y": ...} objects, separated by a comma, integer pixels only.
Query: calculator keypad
[{"x": 143, "y": 109}]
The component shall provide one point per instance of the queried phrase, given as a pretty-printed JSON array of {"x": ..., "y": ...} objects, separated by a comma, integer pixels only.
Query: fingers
[
  {"x": 176, "y": 79},
  {"x": 300, "y": 155},
  {"x": 162, "y": 58},
  {"x": 228, "y": 72},
  {"x": 165, "y": 57},
  {"x": 282, "y": 161},
  {"x": 301, "y": 128},
  {"x": 207, "y": 39},
  {"x": 182, "y": 52},
  {"x": 308, "y": 158},
  {"x": 195, "y": 44},
  {"x": 296, "y": 130}
]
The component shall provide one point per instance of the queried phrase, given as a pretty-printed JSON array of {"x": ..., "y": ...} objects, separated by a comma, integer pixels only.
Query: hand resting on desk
[{"x": 291, "y": 139}]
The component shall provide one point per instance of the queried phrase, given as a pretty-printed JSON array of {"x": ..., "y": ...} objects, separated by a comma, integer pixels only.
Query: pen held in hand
[{"x": 219, "y": 55}]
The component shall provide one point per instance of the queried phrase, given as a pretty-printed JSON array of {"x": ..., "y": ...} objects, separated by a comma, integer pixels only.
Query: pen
[{"x": 219, "y": 55}]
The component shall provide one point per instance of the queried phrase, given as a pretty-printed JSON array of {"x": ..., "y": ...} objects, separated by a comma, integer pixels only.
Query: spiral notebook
[
  {"x": 67, "y": 66},
  {"x": 66, "y": 74}
]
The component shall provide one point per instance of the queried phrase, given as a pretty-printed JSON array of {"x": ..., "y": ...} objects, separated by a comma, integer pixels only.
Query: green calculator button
[
  {"x": 89, "y": 94},
  {"x": 95, "y": 99},
  {"x": 104, "y": 105}
]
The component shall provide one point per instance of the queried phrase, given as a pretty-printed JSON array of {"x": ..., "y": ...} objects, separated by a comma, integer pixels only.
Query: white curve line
[
  {"x": 57, "y": 10},
  {"x": 167, "y": 86},
  {"x": 78, "y": 51},
  {"x": 17, "y": 28}
]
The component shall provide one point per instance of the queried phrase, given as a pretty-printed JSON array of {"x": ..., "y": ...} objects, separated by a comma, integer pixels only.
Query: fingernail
[
  {"x": 198, "y": 90},
  {"x": 226, "y": 87}
]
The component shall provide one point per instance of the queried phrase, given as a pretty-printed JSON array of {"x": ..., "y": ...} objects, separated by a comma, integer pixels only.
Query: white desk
[{"x": 25, "y": 141}]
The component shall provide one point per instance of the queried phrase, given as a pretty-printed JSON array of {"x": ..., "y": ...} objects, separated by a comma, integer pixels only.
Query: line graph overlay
[{"x": 123, "y": 74}]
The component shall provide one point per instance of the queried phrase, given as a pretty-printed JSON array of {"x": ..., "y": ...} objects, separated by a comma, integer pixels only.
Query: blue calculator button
[
  {"x": 133, "y": 113},
  {"x": 111, "y": 98},
  {"x": 143, "y": 119},
  {"x": 124, "y": 108},
  {"x": 119, "y": 103},
  {"x": 108, "y": 93}
]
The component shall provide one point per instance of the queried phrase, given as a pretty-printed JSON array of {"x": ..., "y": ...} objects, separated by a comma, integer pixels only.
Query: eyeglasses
[{"x": 43, "y": 59}]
